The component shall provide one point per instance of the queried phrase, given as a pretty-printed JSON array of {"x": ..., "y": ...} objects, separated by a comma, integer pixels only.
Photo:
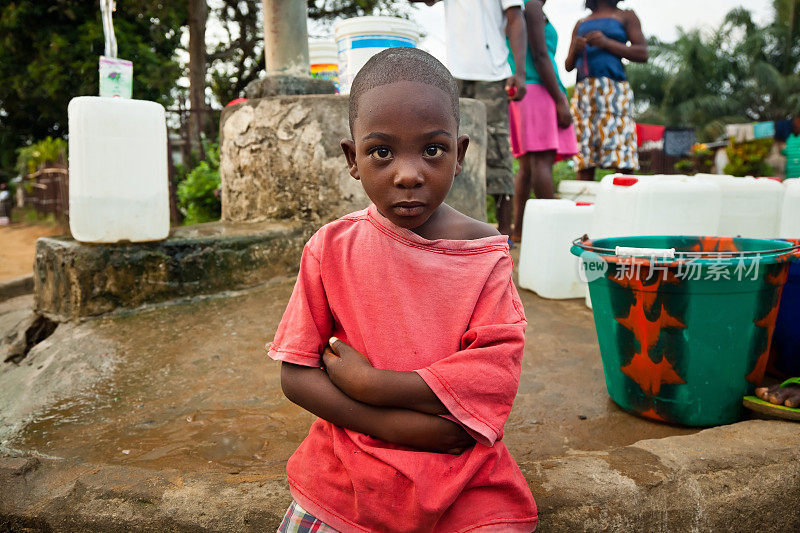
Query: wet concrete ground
[
  {"x": 192, "y": 390},
  {"x": 185, "y": 389}
]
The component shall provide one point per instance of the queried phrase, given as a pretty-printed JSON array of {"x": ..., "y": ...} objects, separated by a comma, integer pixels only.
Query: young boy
[{"x": 410, "y": 307}]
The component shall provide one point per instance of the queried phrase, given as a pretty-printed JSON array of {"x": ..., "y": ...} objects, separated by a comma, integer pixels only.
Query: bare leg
[
  {"x": 587, "y": 174},
  {"x": 543, "y": 174},
  {"x": 522, "y": 191},
  {"x": 788, "y": 395},
  {"x": 503, "y": 203}
]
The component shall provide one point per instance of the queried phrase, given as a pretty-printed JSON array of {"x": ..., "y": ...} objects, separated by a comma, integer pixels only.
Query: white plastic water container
[
  {"x": 323, "y": 60},
  {"x": 790, "y": 212},
  {"x": 578, "y": 190},
  {"x": 656, "y": 205},
  {"x": 118, "y": 186},
  {"x": 750, "y": 206},
  {"x": 546, "y": 265},
  {"x": 322, "y": 52},
  {"x": 360, "y": 38}
]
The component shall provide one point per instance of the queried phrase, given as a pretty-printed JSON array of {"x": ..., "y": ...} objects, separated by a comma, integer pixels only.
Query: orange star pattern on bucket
[{"x": 648, "y": 374}]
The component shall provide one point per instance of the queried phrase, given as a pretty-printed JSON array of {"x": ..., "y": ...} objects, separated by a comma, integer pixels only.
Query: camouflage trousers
[{"x": 499, "y": 176}]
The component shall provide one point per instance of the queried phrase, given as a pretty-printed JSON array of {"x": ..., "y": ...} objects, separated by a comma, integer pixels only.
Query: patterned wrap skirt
[{"x": 605, "y": 129}]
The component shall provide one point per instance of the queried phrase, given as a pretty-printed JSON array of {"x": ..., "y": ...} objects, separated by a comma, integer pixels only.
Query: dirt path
[{"x": 18, "y": 247}]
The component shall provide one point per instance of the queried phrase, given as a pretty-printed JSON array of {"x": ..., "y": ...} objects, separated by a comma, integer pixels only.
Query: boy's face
[{"x": 405, "y": 150}]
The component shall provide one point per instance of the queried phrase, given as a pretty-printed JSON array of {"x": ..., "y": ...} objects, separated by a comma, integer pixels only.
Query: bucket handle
[
  {"x": 629, "y": 251},
  {"x": 585, "y": 245}
]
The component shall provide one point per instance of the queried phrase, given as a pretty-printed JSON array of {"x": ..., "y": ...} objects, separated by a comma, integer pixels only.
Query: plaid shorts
[{"x": 298, "y": 520}]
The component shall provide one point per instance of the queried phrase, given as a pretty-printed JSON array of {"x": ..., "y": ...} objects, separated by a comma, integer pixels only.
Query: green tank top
[{"x": 532, "y": 76}]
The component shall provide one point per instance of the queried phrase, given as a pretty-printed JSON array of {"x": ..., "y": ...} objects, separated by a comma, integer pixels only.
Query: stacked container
[
  {"x": 789, "y": 226},
  {"x": 578, "y": 190},
  {"x": 323, "y": 60},
  {"x": 750, "y": 206},
  {"x": 656, "y": 205},
  {"x": 360, "y": 38},
  {"x": 546, "y": 265}
]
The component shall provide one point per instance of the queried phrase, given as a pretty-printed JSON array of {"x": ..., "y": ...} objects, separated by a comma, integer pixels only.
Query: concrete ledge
[
  {"x": 73, "y": 279},
  {"x": 743, "y": 477},
  {"x": 277, "y": 84},
  {"x": 11, "y": 288}
]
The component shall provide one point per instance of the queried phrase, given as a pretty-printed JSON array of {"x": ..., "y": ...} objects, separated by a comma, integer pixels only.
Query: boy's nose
[{"x": 408, "y": 176}]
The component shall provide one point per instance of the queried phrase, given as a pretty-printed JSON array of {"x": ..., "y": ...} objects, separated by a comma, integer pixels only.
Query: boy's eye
[
  {"x": 433, "y": 151},
  {"x": 381, "y": 153}
]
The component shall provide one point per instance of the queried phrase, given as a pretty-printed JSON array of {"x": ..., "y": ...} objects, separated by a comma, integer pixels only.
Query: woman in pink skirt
[{"x": 540, "y": 123}]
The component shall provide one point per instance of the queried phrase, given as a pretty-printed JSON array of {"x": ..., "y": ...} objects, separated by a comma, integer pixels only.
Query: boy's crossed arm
[
  {"x": 313, "y": 389},
  {"x": 351, "y": 372}
]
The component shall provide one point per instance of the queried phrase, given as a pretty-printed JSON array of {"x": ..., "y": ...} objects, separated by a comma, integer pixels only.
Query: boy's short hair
[{"x": 402, "y": 64}]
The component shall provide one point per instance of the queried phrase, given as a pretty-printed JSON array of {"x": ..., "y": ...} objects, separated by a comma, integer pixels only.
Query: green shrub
[
  {"x": 196, "y": 194},
  {"x": 47, "y": 150},
  {"x": 749, "y": 158}
]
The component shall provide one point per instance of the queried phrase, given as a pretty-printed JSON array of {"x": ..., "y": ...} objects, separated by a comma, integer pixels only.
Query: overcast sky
[{"x": 659, "y": 18}]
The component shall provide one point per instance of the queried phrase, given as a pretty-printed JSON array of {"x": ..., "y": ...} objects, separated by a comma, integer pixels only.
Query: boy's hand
[{"x": 348, "y": 369}]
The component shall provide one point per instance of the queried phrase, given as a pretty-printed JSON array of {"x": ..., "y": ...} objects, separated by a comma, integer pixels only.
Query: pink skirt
[{"x": 533, "y": 125}]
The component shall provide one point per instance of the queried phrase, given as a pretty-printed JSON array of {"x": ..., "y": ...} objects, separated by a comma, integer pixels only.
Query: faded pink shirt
[{"x": 449, "y": 311}]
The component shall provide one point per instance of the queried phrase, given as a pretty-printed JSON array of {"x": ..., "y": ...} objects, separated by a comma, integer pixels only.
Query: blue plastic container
[{"x": 786, "y": 338}]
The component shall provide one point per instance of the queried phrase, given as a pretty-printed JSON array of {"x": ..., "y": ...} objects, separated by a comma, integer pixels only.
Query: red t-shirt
[{"x": 446, "y": 309}]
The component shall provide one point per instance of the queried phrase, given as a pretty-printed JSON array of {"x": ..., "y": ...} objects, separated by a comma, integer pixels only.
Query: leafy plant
[
  {"x": 48, "y": 150},
  {"x": 749, "y": 158},
  {"x": 701, "y": 160},
  {"x": 197, "y": 194}
]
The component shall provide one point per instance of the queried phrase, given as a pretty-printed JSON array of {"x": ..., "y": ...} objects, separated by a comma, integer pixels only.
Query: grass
[{"x": 28, "y": 215}]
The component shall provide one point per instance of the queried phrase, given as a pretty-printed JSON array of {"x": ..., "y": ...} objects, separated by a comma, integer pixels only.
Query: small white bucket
[
  {"x": 323, "y": 60},
  {"x": 360, "y": 38}
]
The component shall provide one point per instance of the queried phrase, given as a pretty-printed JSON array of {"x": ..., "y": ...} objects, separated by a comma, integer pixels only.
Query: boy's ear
[
  {"x": 462, "y": 143},
  {"x": 349, "y": 149}
]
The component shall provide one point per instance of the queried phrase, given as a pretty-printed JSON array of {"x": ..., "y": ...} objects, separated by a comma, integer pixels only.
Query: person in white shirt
[{"x": 477, "y": 57}]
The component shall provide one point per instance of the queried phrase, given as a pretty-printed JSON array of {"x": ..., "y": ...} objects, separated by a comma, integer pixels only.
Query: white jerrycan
[{"x": 118, "y": 184}]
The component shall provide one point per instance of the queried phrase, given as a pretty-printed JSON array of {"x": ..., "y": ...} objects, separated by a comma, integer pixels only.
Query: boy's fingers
[
  {"x": 332, "y": 342},
  {"x": 328, "y": 353},
  {"x": 337, "y": 346}
]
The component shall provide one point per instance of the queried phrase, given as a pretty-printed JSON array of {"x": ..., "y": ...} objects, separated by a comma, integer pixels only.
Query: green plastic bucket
[{"x": 684, "y": 323}]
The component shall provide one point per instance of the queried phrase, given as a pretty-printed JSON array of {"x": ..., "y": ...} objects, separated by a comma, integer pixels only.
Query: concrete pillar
[
  {"x": 285, "y": 37},
  {"x": 280, "y": 159},
  {"x": 286, "y": 53}
]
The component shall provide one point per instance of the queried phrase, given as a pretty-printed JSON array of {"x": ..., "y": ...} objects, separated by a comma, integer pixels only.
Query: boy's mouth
[{"x": 408, "y": 208}]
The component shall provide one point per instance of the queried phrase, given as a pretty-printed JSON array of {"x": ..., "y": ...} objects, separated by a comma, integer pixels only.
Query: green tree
[
  {"x": 331, "y": 9},
  {"x": 737, "y": 73},
  {"x": 49, "y": 53}
]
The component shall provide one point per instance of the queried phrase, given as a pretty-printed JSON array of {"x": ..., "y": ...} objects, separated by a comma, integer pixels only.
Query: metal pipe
[{"x": 107, "y": 7}]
